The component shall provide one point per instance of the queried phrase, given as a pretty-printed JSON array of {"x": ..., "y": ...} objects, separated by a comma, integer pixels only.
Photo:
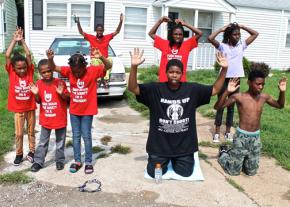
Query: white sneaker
[
  {"x": 216, "y": 138},
  {"x": 228, "y": 137}
]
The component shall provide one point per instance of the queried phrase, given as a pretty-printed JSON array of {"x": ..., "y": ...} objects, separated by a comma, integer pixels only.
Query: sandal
[
  {"x": 74, "y": 167},
  {"x": 89, "y": 169}
]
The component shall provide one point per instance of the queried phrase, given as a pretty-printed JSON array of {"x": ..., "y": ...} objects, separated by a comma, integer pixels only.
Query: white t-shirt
[{"x": 235, "y": 58}]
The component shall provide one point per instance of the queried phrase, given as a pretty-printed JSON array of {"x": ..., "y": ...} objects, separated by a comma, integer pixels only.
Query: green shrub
[
  {"x": 246, "y": 65},
  {"x": 148, "y": 75}
]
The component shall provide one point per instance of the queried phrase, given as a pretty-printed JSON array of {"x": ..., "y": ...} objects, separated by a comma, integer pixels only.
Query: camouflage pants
[{"x": 244, "y": 155}]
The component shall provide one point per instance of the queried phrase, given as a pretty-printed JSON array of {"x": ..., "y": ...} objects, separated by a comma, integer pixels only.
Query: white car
[{"x": 65, "y": 46}]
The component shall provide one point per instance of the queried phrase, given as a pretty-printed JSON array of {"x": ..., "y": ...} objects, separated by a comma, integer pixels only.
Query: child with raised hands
[
  {"x": 245, "y": 153},
  {"x": 233, "y": 47},
  {"x": 52, "y": 95},
  {"x": 175, "y": 47},
  {"x": 83, "y": 102},
  {"x": 20, "y": 99}
]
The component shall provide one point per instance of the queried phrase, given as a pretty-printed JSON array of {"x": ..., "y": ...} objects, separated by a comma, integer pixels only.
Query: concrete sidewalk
[{"x": 123, "y": 174}]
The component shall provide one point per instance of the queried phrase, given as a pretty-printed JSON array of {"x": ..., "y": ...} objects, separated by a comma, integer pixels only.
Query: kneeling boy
[{"x": 245, "y": 153}]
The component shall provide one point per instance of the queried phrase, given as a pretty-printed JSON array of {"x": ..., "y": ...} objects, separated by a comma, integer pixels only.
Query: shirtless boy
[{"x": 245, "y": 153}]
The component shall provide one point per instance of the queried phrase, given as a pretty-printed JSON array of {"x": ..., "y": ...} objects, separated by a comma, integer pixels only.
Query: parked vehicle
[{"x": 65, "y": 46}]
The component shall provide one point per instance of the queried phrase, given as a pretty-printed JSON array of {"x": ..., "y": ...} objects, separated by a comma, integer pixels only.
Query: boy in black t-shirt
[{"x": 172, "y": 133}]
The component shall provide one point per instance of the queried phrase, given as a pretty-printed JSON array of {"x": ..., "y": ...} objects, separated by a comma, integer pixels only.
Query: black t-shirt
[{"x": 172, "y": 129}]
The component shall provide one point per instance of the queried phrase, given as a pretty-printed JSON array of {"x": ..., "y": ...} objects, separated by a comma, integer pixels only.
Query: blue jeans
[
  {"x": 81, "y": 127},
  {"x": 42, "y": 147}
]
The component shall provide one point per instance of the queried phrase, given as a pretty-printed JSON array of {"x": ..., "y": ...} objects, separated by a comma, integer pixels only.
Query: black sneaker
[
  {"x": 18, "y": 160},
  {"x": 59, "y": 165},
  {"x": 222, "y": 149},
  {"x": 35, "y": 167},
  {"x": 30, "y": 157}
]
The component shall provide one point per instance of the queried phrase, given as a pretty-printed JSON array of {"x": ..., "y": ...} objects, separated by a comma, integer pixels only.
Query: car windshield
[{"x": 65, "y": 46}]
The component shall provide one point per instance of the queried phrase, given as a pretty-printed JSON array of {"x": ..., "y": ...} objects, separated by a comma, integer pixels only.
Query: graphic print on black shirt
[{"x": 174, "y": 111}]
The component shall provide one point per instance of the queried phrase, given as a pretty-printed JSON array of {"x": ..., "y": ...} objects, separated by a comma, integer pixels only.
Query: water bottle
[{"x": 158, "y": 173}]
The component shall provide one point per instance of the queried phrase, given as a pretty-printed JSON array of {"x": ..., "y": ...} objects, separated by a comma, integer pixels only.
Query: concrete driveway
[{"x": 123, "y": 174}]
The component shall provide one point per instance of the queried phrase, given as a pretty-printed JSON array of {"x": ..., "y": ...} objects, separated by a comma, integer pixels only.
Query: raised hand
[
  {"x": 137, "y": 57},
  {"x": 233, "y": 85},
  {"x": 50, "y": 54},
  {"x": 222, "y": 60},
  {"x": 77, "y": 19},
  {"x": 60, "y": 88},
  {"x": 96, "y": 53},
  {"x": 225, "y": 27},
  {"x": 165, "y": 19},
  {"x": 179, "y": 21},
  {"x": 282, "y": 84},
  {"x": 33, "y": 88},
  {"x": 121, "y": 17},
  {"x": 18, "y": 34}
]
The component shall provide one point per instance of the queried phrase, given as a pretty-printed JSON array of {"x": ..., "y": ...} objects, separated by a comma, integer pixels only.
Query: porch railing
[{"x": 205, "y": 56}]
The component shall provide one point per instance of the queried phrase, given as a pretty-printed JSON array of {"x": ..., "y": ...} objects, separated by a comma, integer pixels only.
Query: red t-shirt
[
  {"x": 20, "y": 98},
  {"x": 83, "y": 91},
  {"x": 102, "y": 43},
  {"x": 173, "y": 53},
  {"x": 53, "y": 109}
]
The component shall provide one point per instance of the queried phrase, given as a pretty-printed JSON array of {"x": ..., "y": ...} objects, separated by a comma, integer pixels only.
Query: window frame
[
  {"x": 287, "y": 34},
  {"x": 4, "y": 21},
  {"x": 205, "y": 28},
  {"x": 136, "y": 24},
  {"x": 34, "y": 14},
  {"x": 69, "y": 19}
]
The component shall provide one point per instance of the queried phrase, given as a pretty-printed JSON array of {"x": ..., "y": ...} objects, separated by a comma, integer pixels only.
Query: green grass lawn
[
  {"x": 274, "y": 125},
  {"x": 6, "y": 118}
]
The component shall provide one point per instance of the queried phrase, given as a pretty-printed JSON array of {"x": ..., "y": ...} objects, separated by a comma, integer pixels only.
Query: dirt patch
[
  {"x": 44, "y": 194},
  {"x": 120, "y": 119}
]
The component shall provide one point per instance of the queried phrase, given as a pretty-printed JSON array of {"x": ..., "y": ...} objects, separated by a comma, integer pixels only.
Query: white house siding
[
  {"x": 11, "y": 22},
  {"x": 267, "y": 47},
  {"x": 40, "y": 40},
  {"x": 1, "y": 29},
  {"x": 123, "y": 46}
]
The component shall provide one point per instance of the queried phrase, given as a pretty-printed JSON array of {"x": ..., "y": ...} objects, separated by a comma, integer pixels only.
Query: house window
[
  {"x": 288, "y": 35},
  {"x": 83, "y": 11},
  {"x": 37, "y": 15},
  {"x": 135, "y": 23},
  {"x": 99, "y": 13},
  {"x": 4, "y": 21},
  {"x": 205, "y": 25},
  {"x": 172, "y": 16},
  {"x": 56, "y": 15}
]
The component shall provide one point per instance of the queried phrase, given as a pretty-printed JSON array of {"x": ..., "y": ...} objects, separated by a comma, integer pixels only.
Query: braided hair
[
  {"x": 77, "y": 60},
  {"x": 170, "y": 36},
  {"x": 229, "y": 31}
]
